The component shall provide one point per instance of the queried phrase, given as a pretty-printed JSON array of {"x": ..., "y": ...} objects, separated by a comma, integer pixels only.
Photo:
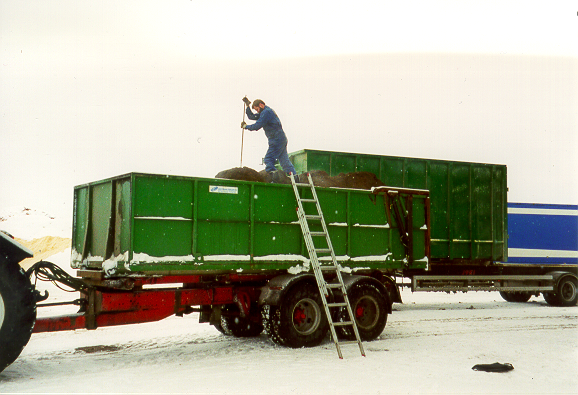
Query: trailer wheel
[
  {"x": 269, "y": 315},
  {"x": 370, "y": 310},
  {"x": 300, "y": 320},
  {"x": 232, "y": 324},
  {"x": 17, "y": 311},
  {"x": 566, "y": 293},
  {"x": 516, "y": 297},
  {"x": 221, "y": 329},
  {"x": 241, "y": 327}
]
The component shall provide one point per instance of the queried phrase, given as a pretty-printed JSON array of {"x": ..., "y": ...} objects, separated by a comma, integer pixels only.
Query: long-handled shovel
[
  {"x": 243, "y": 135},
  {"x": 246, "y": 101}
]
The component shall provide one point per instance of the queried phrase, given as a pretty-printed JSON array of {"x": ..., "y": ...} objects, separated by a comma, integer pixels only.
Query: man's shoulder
[{"x": 270, "y": 112}]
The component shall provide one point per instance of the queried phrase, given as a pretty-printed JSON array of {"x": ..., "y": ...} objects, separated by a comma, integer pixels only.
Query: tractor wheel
[
  {"x": 17, "y": 311},
  {"x": 370, "y": 310},
  {"x": 516, "y": 297},
  {"x": 300, "y": 320}
]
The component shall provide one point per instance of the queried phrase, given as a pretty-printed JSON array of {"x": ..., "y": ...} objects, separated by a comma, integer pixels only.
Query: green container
[
  {"x": 468, "y": 200},
  {"x": 156, "y": 224}
]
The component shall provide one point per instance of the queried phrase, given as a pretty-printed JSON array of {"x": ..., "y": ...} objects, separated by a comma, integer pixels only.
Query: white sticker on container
[{"x": 222, "y": 189}]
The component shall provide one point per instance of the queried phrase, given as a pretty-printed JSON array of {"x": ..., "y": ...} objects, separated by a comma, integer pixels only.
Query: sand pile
[
  {"x": 43, "y": 248},
  {"x": 355, "y": 180}
]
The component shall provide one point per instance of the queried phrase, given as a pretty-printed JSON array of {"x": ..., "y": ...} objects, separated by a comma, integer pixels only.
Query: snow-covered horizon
[{"x": 29, "y": 223}]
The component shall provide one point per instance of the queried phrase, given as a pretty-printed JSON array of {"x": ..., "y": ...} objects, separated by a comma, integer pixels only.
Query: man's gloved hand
[
  {"x": 247, "y": 101},
  {"x": 243, "y": 125}
]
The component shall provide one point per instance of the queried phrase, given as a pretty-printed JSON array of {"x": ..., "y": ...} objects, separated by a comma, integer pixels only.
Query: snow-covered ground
[{"x": 429, "y": 346}]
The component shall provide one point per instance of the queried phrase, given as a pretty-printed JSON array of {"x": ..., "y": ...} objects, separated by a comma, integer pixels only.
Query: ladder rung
[
  {"x": 344, "y": 323},
  {"x": 342, "y": 304},
  {"x": 323, "y": 250},
  {"x": 309, "y": 200},
  {"x": 318, "y": 234},
  {"x": 346, "y": 342},
  {"x": 334, "y": 285},
  {"x": 300, "y": 184},
  {"x": 327, "y": 268},
  {"x": 317, "y": 217}
]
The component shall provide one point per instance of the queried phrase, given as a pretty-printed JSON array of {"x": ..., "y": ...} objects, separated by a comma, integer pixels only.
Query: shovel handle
[{"x": 243, "y": 135}]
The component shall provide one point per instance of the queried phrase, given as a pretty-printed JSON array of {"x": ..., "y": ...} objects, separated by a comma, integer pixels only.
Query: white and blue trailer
[
  {"x": 543, "y": 235},
  {"x": 542, "y": 259}
]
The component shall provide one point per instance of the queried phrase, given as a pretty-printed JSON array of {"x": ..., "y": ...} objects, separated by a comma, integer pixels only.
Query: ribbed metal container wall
[
  {"x": 160, "y": 224},
  {"x": 468, "y": 200}
]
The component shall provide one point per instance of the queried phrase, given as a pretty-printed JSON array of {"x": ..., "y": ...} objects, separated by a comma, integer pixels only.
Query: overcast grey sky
[{"x": 90, "y": 90}]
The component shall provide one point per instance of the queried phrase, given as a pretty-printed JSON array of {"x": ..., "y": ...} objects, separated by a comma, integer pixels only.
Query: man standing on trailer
[{"x": 268, "y": 120}]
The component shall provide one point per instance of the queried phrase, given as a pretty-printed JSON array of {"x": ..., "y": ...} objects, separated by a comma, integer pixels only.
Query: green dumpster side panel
[{"x": 162, "y": 237}]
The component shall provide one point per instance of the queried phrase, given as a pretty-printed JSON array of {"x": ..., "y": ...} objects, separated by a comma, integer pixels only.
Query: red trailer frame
[{"x": 130, "y": 303}]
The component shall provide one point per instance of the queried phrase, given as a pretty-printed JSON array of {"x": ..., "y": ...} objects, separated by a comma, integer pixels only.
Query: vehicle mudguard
[
  {"x": 272, "y": 293},
  {"x": 13, "y": 250},
  {"x": 559, "y": 274}
]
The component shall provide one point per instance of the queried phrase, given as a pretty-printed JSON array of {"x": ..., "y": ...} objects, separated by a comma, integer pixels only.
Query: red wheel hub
[
  {"x": 359, "y": 311},
  {"x": 299, "y": 316}
]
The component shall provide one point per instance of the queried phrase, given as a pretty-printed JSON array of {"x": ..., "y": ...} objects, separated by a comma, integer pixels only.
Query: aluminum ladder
[{"x": 319, "y": 270}]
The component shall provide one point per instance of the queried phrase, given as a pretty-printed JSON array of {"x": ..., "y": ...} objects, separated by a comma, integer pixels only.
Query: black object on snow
[{"x": 494, "y": 367}]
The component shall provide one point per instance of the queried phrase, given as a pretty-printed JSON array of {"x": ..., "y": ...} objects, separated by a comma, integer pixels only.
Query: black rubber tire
[
  {"x": 300, "y": 320},
  {"x": 550, "y": 298},
  {"x": 232, "y": 324},
  {"x": 222, "y": 329},
  {"x": 241, "y": 327},
  {"x": 369, "y": 307},
  {"x": 516, "y": 297},
  {"x": 269, "y": 314},
  {"x": 566, "y": 293},
  {"x": 17, "y": 311}
]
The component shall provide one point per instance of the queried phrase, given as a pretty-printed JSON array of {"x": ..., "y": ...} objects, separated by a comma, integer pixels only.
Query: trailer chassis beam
[
  {"x": 507, "y": 283},
  {"x": 111, "y": 308}
]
